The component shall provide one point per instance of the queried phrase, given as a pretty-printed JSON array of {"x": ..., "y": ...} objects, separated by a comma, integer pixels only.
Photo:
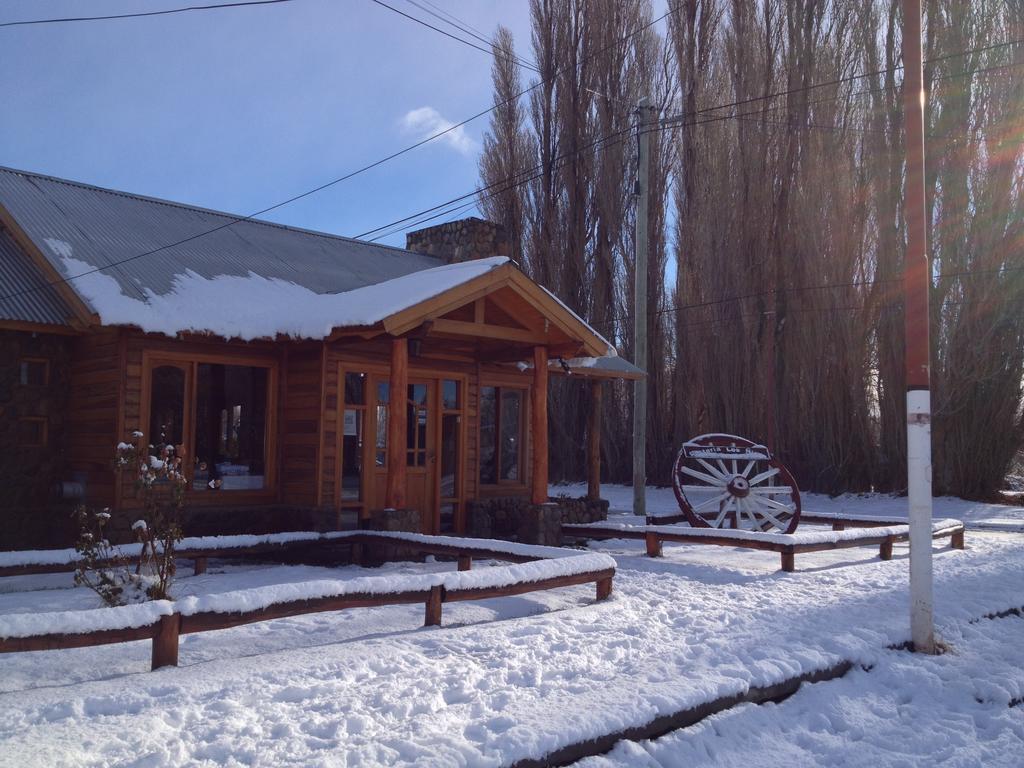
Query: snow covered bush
[{"x": 160, "y": 480}]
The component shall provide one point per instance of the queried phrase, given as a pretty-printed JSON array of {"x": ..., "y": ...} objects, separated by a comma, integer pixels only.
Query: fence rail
[
  {"x": 787, "y": 545},
  {"x": 165, "y": 630}
]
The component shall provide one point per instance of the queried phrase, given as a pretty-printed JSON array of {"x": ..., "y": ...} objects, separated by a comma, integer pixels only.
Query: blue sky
[{"x": 237, "y": 109}]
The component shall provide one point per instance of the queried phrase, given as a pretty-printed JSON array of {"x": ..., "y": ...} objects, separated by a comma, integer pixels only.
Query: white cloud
[{"x": 427, "y": 121}]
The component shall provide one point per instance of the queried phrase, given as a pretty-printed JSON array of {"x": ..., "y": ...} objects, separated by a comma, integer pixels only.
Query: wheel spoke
[
  {"x": 709, "y": 479},
  {"x": 724, "y": 476},
  {"x": 763, "y": 511},
  {"x": 702, "y": 488},
  {"x": 771, "y": 490},
  {"x": 716, "y": 500},
  {"x": 753, "y": 514},
  {"x": 722, "y": 513},
  {"x": 776, "y": 504},
  {"x": 750, "y": 466},
  {"x": 771, "y": 472},
  {"x": 721, "y": 467}
]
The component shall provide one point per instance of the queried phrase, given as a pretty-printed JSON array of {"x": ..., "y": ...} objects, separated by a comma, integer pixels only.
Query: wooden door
[{"x": 421, "y": 451}]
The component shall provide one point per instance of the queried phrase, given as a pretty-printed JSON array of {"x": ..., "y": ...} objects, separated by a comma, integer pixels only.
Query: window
[
  {"x": 381, "y": 446},
  {"x": 216, "y": 415},
  {"x": 32, "y": 432},
  {"x": 34, "y": 372},
  {"x": 230, "y": 428},
  {"x": 417, "y": 415},
  {"x": 501, "y": 435},
  {"x": 352, "y": 438},
  {"x": 451, "y": 441}
]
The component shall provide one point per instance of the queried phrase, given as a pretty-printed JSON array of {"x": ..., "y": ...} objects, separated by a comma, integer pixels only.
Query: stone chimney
[{"x": 462, "y": 240}]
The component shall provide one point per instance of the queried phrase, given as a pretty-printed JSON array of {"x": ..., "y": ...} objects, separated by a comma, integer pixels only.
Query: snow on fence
[
  {"x": 163, "y": 621},
  {"x": 788, "y": 545}
]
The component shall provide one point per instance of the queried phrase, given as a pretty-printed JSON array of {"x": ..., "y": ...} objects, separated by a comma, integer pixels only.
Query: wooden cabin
[{"x": 309, "y": 379}]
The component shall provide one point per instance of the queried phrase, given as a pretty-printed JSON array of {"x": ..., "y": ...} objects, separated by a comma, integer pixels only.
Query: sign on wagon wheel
[{"x": 725, "y": 481}]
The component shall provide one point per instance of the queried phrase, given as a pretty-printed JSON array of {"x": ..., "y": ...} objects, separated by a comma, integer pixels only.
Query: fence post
[
  {"x": 956, "y": 541},
  {"x": 465, "y": 562},
  {"x": 604, "y": 588},
  {"x": 433, "y": 615},
  {"x": 885, "y": 550},
  {"x": 198, "y": 566},
  {"x": 788, "y": 562},
  {"x": 165, "y": 642},
  {"x": 653, "y": 544}
]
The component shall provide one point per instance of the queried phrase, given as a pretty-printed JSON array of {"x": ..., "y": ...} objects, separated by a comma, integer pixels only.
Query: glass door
[{"x": 421, "y": 452}]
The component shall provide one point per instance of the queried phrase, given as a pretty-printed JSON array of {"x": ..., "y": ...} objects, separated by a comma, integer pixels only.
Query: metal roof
[
  {"x": 31, "y": 299},
  {"x": 98, "y": 227}
]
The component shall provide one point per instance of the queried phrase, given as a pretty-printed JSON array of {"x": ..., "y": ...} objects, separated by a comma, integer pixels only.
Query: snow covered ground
[
  {"x": 518, "y": 677},
  {"x": 964, "y": 708}
]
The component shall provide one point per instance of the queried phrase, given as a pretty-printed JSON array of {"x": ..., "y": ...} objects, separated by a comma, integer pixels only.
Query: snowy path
[{"x": 371, "y": 687}]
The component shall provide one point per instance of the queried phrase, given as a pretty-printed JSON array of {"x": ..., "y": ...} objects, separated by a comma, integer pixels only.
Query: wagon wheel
[{"x": 724, "y": 481}]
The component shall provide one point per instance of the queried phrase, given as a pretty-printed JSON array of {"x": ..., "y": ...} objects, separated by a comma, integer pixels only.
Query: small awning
[{"x": 610, "y": 367}]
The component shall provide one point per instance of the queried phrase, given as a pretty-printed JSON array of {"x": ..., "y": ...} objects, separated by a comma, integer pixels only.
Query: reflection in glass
[
  {"x": 231, "y": 420},
  {"x": 449, "y": 455},
  {"x": 450, "y": 395},
  {"x": 381, "y": 443},
  {"x": 167, "y": 406},
  {"x": 511, "y": 410},
  {"x": 488, "y": 435},
  {"x": 352, "y": 456},
  {"x": 354, "y": 388}
]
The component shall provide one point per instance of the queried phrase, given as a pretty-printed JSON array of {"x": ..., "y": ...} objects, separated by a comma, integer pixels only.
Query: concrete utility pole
[
  {"x": 916, "y": 286},
  {"x": 645, "y": 119}
]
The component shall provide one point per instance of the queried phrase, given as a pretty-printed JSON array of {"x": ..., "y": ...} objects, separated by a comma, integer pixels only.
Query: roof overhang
[{"x": 507, "y": 279}]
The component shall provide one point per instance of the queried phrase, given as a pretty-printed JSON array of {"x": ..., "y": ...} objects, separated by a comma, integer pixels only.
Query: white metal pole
[
  {"x": 640, "y": 312},
  {"x": 916, "y": 287}
]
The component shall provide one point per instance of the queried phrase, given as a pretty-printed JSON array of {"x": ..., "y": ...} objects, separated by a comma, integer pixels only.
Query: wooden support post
[
  {"x": 397, "y": 417},
  {"x": 594, "y": 442},
  {"x": 358, "y": 553},
  {"x": 604, "y": 588},
  {"x": 885, "y": 550},
  {"x": 956, "y": 541},
  {"x": 165, "y": 642},
  {"x": 788, "y": 562},
  {"x": 540, "y": 425},
  {"x": 433, "y": 615},
  {"x": 465, "y": 562},
  {"x": 653, "y": 544},
  {"x": 838, "y": 527},
  {"x": 199, "y": 566}
]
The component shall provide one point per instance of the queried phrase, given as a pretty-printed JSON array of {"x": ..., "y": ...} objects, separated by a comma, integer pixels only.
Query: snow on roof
[{"x": 251, "y": 307}]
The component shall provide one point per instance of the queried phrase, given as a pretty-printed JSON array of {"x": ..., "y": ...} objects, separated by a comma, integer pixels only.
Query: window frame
[
  {"x": 27, "y": 360},
  {"x": 524, "y": 446},
  {"x": 189, "y": 362}
]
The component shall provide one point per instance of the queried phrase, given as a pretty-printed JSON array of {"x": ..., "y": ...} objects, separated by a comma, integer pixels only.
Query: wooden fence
[
  {"x": 165, "y": 630},
  {"x": 787, "y": 545}
]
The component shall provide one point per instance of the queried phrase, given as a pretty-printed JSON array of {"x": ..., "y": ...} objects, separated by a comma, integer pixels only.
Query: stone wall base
[
  {"x": 516, "y": 519},
  {"x": 404, "y": 520}
]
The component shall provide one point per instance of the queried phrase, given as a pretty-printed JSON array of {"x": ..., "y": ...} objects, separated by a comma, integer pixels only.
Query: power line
[
  {"x": 428, "y": 25},
  {"x": 141, "y": 14},
  {"x": 802, "y": 288},
  {"x": 340, "y": 179},
  {"x": 752, "y": 116},
  {"x": 453, "y": 21},
  {"x": 515, "y": 180}
]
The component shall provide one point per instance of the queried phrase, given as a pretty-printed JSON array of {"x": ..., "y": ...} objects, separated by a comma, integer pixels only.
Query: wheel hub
[{"x": 739, "y": 487}]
